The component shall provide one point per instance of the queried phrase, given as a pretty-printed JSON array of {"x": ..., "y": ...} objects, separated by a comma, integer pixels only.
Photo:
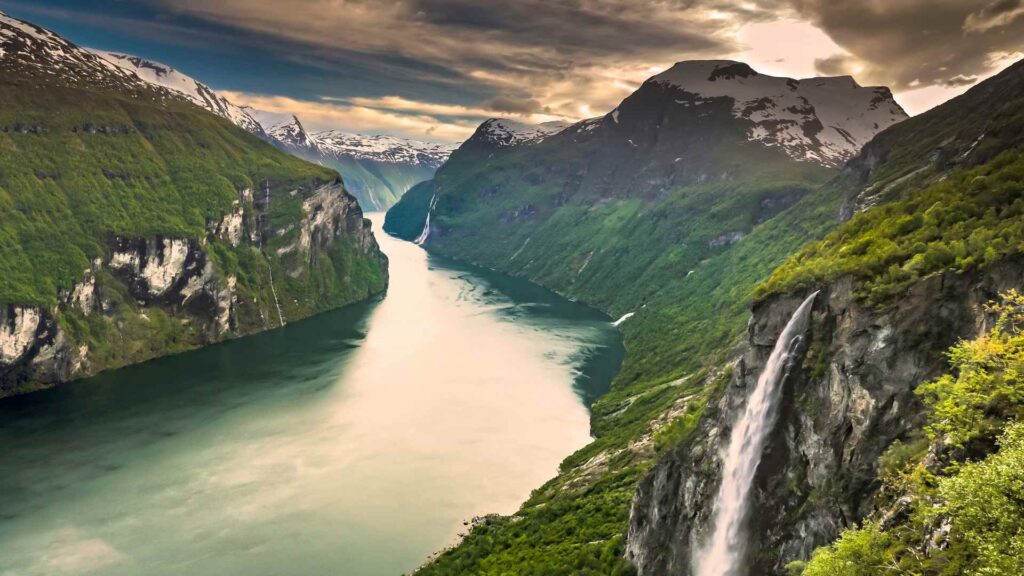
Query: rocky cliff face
[
  {"x": 849, "y": 399},
  {"x": 179, "y": 279}
]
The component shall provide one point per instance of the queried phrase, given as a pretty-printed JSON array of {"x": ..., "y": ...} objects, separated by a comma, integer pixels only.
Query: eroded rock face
[
  {"x": 177, "y": 277},
  {"x": 18, "y": 328},
  {"x": 153, "y": 266},
  {"x": 851, "y": 397},
  {"x": 330, "y": 213}
]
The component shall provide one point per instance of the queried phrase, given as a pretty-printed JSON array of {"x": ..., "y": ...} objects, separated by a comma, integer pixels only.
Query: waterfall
[
  {"x": 722, "y": 554},
  {"x": 277, "y": 303},
  {"x": 270, "y": 267},
  {"x": 426, "y": 224}
]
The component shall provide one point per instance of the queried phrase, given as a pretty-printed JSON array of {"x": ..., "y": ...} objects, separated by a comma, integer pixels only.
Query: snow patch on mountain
[
  {"x": 378, "y": 148},
  {"x": 24, "y": 45},
  {"x": 503, "y": 132},
  {"x": 292, "y": 135},
  {"x": 381, "y": 148},
  {"x": 163, "y": 75},
  {"x": 826, "y": 120}
]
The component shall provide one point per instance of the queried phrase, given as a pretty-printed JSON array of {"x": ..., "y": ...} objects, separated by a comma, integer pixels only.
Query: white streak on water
[{"x": 624, "y": 317}]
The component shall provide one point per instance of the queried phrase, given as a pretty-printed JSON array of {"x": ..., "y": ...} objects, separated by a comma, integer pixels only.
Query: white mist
[{"x": 723, "y": 552}]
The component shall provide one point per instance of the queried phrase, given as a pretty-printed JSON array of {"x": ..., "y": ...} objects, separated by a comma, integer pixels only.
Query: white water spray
[
  {"x": 426, "y": 224},
  {"x": 722, "y": 554}
]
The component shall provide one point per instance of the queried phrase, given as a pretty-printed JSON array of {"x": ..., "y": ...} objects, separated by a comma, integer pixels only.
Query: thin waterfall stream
[
  {"x": 723, "y": 552},
  {"x": 426, "y": 223}
]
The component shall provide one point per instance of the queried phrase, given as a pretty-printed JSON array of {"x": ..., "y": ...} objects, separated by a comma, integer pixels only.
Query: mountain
[
  {"x": 666, "y": 212},
  {"x": 377, "y": 169},
  {"x": 896, "y": 414},
  {"x": 200, "y": 94},
  {"x": 502, "y": 132},
  {"x": 825, "y": 120},
  {"x": 134, "y": 223}
]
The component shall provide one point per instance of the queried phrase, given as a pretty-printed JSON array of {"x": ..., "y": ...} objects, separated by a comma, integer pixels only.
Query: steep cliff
[
  {"x": 135, "y": 224},
  {"x": 850, "y": 398}
]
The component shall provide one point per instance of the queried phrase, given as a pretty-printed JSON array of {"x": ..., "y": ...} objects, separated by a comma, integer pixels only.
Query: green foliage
[
  {"x": 101, "y": 166},
  {"x": 984, "y": 505},
  {"x": 681, "y": 429},
  {"x": 556, "y": 532},
  {"x": 965, "y": 515},
  {"x": 971, "y": 218},
  {"x": 861, "y": 552},
  {"x": 987, "y": 388}
]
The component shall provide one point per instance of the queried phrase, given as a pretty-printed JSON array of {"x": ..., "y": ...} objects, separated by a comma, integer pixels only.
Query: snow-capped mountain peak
[
  {"x": 291, "y": 134},
  {"x": 382, "y": 148},
  {"x": 826, "y": 120},
  {"x": 504, "y": 132},
  {"x": 34, "y": 50},
  {"x": 202, "y": 95}
]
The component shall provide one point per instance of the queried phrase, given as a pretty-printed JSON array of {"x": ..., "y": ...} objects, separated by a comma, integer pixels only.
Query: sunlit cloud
[{"x": 492, "y": 108}]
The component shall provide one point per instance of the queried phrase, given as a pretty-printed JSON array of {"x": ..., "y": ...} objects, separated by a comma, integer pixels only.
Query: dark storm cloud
[
  {"x": 520, "y": 49},
  {"x": 993, "y": 15},
  {"x": 911, "y": 43},
  {"x": 523, "y": 50},
  {"x": 574, "y": 26},
  {"x": 835, "y": 65}
]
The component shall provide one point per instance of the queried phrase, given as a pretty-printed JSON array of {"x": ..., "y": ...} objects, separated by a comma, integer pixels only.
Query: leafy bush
[{"x": 965, "y": 512}]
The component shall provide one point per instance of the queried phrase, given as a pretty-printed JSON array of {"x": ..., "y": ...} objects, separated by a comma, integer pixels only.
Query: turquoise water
[{"x": 353, "y": 443}]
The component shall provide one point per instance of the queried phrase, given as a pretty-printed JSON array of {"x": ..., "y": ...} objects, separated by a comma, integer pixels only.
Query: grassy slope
[
  {"x": 621, "y": 254},
  {"x": 972, "y": 218},
  {"x": 81, "y": 166}
]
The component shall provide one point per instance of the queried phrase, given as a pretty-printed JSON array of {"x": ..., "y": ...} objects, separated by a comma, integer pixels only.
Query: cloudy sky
[{"x": 433, "y": 69}]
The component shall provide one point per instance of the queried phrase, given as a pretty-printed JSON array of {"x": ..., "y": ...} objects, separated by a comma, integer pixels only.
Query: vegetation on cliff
[
  {"x": 952, "y": 498},
  {"x": 971, "y": 219},
  {"x": 85, "y": 167}
]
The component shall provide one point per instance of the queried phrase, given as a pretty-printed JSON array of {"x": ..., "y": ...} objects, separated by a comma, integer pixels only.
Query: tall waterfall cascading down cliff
[
  {"x": 723, "y": 552},
  {"x": 426, "y": 223}
]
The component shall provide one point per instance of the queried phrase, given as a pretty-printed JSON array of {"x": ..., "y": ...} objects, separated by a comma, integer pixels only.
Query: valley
[
  {"x": 710, "y": 318},
  {"x": 357, "y": 441}
]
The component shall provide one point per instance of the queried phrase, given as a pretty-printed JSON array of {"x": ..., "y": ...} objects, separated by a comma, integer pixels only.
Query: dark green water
[{"x": 354, "y": 443}]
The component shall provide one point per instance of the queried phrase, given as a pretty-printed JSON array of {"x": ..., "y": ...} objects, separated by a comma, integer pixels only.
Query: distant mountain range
[{"x": 377, "y": 169}]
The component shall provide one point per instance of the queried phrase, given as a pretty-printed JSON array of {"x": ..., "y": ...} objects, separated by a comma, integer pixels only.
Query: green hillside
[{"x": 97, "y": 165}]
